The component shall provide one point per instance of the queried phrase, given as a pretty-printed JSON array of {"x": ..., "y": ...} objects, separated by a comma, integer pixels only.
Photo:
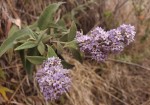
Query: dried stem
[
  {"x": 17, "y": 88},
  {"x": 129, "y": 63}
]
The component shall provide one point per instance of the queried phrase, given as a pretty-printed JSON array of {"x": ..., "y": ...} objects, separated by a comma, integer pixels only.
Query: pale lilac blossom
[
  {"x": 53, "y": 79},
  {"x": 98, "y": 44}
]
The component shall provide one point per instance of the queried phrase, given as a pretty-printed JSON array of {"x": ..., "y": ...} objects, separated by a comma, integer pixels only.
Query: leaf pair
[
  {"x": 39, "y": 59},
  {"x": 11, "y": 40}
]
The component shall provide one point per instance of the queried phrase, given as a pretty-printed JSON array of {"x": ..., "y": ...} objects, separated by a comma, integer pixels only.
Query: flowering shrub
[{"x": 41, "y": 42}]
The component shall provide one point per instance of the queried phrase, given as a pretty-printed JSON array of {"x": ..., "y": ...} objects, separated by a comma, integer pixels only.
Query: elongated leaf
[
  {"x": 76, "y": 54},
  {"x": 36, "y": 59},
  {"x": 29, "y": 67},
  {"x": 51, "y": 52},
  {"x": 33, "y": 26},
  {"x": 3, "y": 91},
  {"x": 13, "y": 29},
  {"x": 46, "y": 38},
  {"x": 72, "y": 32},
  {"x": 26, "y": 45},
  {"x": 71, "y": 44},
  {"x": 10, "y": 41},
  {"x": 67, "y": 65},
  {"x": 22, "y": 56},
  {"x": 2, "y": 74},
  {"x": 59, "y": 48},
  {"x": 32, "y": 35},
  {"x": 47, "y": 16},
  {"x": 53, "y": 25},
  {"x": 64, "y": 38},
  {"x": 10, "y": 54},
  {"x": 62, "y": 23},
  {"x": 40, "y": 37},
  {"x": 41, "y": 48}
]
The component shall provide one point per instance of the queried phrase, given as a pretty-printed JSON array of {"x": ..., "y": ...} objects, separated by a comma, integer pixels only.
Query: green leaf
[
  {"x": 10, "y": 54},
  {"x": 33, "y": 26},
  {"x": 36, "y": 59},
  {"x": 71, "y": 44},
  {"x": 51, "y": 52},
  {"x": 64, "y": 38},
  {"x": 29, "y": 67},
  {"x": 22, "y": 56},
  {"x": 57, "y": 26},
  {"x": 72, "y": 32},
  {"x": 76, "y": 54},
  {"x": 40, "y": 37},
  {"x": 2, "y": 74},
  {"x": 32, "y": 35},
  {"x": 13, "y": 29},
  {"x": 59, "y": 48},
  {"x": 41, "y": 48},
  {"x": 26, "y": 45},
  {"x": 10, "y": 41},
  {"x": 62, "y": 23},
  {"x": 46, "y": 38},
  {"x": 47, "y": 16},
  {"x": 66, "y": 65}
]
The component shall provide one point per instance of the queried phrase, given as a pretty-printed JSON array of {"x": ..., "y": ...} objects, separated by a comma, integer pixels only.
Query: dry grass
[
  {"x": 109, "y": 83},
  {"x": 113, "y": 84},
  {"x": 93, "y": 84}
]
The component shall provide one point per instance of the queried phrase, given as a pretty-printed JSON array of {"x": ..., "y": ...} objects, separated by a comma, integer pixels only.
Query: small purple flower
[
  {"x": 121, "y": 37},
  {"x": 128, "y": 32},
  {"x": 98, "y": 55},
  {"x": 99, "y": 34},
  {"x": 95, "y": 44},
  {"x": 116, "y": 39},
  {"x": 53, "y": 80},
  {"x": 84, "y": 42}
]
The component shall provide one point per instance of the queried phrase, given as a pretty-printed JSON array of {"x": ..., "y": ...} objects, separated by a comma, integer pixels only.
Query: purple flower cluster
[
  {"x": 99, "y": 43},
  {"x": 121, "y": 37},
  {"x": 53, "y": 80}
]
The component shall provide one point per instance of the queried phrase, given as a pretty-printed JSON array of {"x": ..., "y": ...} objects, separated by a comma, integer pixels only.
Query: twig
[
  {"x": 22, "y": 11},
  {"x": 119, "y": 6},
  {"x": 129, "y": 63},
  {"x": 17, "y": 88},
  {"x": 115, "y": 97},
  {"x": 12, "y": 67}
]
